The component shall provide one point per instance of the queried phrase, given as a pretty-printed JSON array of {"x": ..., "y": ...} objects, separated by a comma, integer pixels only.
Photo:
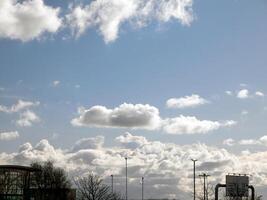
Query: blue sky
[{"x": 222, "y": 49}]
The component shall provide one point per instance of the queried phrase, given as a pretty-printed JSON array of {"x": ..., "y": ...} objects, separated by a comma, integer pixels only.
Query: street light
[
  {"x": 204, "y": 188},
  {"x": 126, "y": 182},
  {"x": 142, "y": 188},
  {"x": 111, "y": 183},
  {"x": 194, "y": 171}
]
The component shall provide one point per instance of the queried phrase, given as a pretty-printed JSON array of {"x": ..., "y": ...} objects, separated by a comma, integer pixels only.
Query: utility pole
[
  {"x": 126, "y": 181},
  {"x": 204, "y": 175},
  {"x": 111, "y": 183},
  {"x": 194, "y": 171},
  {"x": 142, "y": 188}
]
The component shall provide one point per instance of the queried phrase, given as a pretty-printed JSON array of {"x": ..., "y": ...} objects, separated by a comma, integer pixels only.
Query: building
[{"x": 16, "y": 184}]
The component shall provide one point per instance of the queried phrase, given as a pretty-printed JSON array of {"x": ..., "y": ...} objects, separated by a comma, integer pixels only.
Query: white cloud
[
  {"x": 125, "y": 116},
  {"x": 19, "y": 106},
  {"x": 192, "y": 125},
  {"x": 147, "y": 117},
  {"x": 130, "y": 141},
  {"x": 56, "y": 83},
  {"x": 261, "y": 141},
  {"x": 259, "y": 93},
  {"x": 27, "y": 118},
  {"x": 229, "y": 142},
  {"x": 243, "y": 94},
  {"x": 166, "y": 166},
  {"x": 27, "y": 20},
  {"x": 89, "y": 143},
  {"x": 12, "y": 135},
  {"x": 228, "y": 92},
  {"x": 109, "y": 15},
  {"x": 248, "y": 142},
  {"x": 185, "y": 102},
  {"x": 244, "y": 112}
]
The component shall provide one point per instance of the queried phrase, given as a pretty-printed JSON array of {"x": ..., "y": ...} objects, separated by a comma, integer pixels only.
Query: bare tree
[
  {"x": 47, "y": 176},
  {"x": 91, "y": 187}
]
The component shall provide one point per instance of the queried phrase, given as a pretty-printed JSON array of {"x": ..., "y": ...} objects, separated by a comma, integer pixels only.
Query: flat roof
[{"x": 17, "y": 167}]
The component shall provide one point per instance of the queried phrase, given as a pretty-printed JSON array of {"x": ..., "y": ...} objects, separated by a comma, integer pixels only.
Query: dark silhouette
[
  {"x": 47, "y": 176},
  {"x": 91, "y": 187}
]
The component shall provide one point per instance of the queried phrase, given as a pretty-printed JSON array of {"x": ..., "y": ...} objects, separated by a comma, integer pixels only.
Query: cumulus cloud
[
  {"x": 89, "y": 143},
  {"x": 243, "y": 94},
  {"x": 27, "y": 118},
  {"x": 19, "y": 106},
  {"x": 146, "y": 117},
  {"x": 109, "y": 15},
  {"x": 166, "y": 166},
  {"x": 192, "y": 125},
  {"x": 125, "y": 116},
  {"x": 11, "y": 135},
  {"x": 185, "y": 102},
  {"x": 130, "y": 141},
  {"x": 27, "y": 20}
]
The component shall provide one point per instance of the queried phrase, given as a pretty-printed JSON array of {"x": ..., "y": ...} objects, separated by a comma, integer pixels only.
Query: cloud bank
[{"x": 167, "y": 167}]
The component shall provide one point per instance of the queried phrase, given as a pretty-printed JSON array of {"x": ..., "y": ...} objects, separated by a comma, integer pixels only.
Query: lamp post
[
  {"x": 126, "y": 181},
  {"x": 111, "y": 183},
  {"x": 194, "y": 172},
  {"x": 204, "y": 188},
  {"x": 142, "y": 188}
]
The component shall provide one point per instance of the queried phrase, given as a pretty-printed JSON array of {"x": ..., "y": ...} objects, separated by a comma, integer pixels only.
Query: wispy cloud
[
  {"x": 19, "y": 106},
  {"x": 27, "y": 119},
  {"x": 185, "y": 102},
  {"x": 109, "y": 15},
  {"x": 11, "y": 135},
  {"x": 56, "y": 83}
]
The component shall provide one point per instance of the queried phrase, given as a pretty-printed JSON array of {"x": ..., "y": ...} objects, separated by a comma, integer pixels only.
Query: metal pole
[
  {"x": 111, "y": 183},
  {"x": 207, "y": 190},
  {"x": 142, "y": 188},
  {"x": 194, "y": 170},
  {"x": 217, "y": 190},
  {"x": 126, "y": 181},
  {"x": 204, "y": 188},
  {"x": 204, "y": 175},
  {"x": 252, "y": 192}
]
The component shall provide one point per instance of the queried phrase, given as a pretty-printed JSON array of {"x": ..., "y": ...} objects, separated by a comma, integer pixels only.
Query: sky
[{"x": 85, "y": 83}]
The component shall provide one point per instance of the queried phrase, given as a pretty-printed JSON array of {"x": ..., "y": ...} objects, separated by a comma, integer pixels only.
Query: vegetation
[
  {"x": 47, "y": 176},
  {"x": 91, "y": 187}
]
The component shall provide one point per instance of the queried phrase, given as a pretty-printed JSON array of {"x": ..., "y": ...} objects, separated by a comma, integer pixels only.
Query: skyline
[{"x": 85, "y": 83}]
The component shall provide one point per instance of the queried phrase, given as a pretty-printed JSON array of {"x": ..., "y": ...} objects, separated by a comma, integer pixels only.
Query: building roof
[{"x": 17, "y": 167}]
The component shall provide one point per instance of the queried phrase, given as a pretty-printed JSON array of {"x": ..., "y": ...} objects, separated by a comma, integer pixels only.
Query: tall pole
[
  {"x": 142, "y": 188},
  {"x": 207, "y": 190},
  {"x": 204, "y": 188},
  {"x": 111, "y": 183},
  {"x": 126, "y": 181},
  {"x": 194, "y": 171}
]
